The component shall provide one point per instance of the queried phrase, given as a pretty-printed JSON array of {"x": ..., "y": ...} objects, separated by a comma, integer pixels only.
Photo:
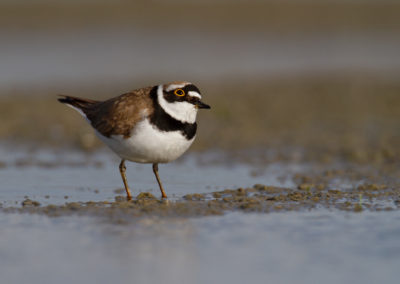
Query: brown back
[{"x": 117, "y": 116}]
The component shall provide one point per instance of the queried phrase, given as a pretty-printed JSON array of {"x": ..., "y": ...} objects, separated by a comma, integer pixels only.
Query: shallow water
[
  {"x": 308, "y": 247},
  {"x": 55, "y": 178},
  {"x": 301, "y": 246}
]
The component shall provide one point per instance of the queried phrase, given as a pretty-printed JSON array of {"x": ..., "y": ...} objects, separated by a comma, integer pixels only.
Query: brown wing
[{"x": 117, "y": 116}]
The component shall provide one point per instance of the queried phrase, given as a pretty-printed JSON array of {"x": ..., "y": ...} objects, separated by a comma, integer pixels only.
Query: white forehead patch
[
  {"x": 175, "y": 86},
  {"x": 194, "y": 94}
]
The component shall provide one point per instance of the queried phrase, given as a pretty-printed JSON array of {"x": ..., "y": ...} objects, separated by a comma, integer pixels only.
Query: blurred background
[{"x": 321, "y": 76}]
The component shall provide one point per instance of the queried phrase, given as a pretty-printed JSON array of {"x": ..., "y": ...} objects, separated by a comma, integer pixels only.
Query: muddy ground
[
  {"x": 259, "y": 198},
  {"x": 346, "y": 188}
]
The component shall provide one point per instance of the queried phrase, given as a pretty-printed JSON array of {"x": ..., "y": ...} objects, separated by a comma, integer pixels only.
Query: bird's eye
[{"x": 179, "y": 92}]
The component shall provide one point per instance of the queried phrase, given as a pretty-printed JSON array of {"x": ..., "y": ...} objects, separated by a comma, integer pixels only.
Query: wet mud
[
  {"x": 258, "y": 198},
  {"x": 342, "y": 186}
]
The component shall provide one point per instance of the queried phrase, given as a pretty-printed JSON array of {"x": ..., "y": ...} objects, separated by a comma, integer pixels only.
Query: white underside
[{"x": 147, "y": 144}]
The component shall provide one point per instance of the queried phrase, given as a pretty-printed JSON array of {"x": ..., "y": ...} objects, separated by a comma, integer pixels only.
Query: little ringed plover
[{"x": 148, "y": 125}]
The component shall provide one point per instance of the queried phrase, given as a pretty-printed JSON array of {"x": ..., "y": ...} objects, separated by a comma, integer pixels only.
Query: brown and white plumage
[
  {"x": 148, "y": 125},
  {"x": 115, "y": 116}
]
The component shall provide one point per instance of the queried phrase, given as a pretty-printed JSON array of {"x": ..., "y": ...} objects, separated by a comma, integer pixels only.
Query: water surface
[{"x": 308, "y": 247}]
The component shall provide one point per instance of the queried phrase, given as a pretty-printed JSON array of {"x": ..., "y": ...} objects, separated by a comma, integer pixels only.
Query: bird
[{"x": 154, "y": 125}]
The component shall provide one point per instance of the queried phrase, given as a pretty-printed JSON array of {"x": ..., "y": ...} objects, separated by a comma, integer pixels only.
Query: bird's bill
[{"x": 200, "y": 104}]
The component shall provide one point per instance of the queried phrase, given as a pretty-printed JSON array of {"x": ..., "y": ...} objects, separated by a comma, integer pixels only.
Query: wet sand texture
[{"x": 259, "y": 198}]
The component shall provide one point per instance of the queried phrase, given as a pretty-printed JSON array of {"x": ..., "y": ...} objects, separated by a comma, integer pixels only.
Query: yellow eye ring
[{"x": 179, "y": 92}]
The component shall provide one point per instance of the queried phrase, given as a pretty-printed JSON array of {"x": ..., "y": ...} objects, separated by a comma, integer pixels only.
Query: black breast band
[{"x": 164, "y": 122}]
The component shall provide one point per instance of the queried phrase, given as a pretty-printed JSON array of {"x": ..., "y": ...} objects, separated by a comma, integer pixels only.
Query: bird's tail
[{"x": 80, "y": 104}]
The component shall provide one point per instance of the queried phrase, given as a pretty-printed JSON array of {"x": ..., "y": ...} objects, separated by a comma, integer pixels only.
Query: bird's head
[{"x": 181, "y": 100}]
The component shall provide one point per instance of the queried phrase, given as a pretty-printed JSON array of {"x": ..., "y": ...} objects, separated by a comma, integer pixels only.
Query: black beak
[{"x": 200, "y": 104}]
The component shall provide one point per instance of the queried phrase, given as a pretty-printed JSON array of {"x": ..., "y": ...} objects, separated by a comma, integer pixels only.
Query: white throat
[{"x": 182, "y": 111}]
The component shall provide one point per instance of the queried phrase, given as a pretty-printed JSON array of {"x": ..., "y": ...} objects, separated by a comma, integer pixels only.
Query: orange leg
[
  {"x": 155, "y": 170},
  {"x": 122, "y": 170}
]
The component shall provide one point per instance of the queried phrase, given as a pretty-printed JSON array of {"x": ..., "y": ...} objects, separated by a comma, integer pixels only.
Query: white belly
[{"x": 147, "y": 144}]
